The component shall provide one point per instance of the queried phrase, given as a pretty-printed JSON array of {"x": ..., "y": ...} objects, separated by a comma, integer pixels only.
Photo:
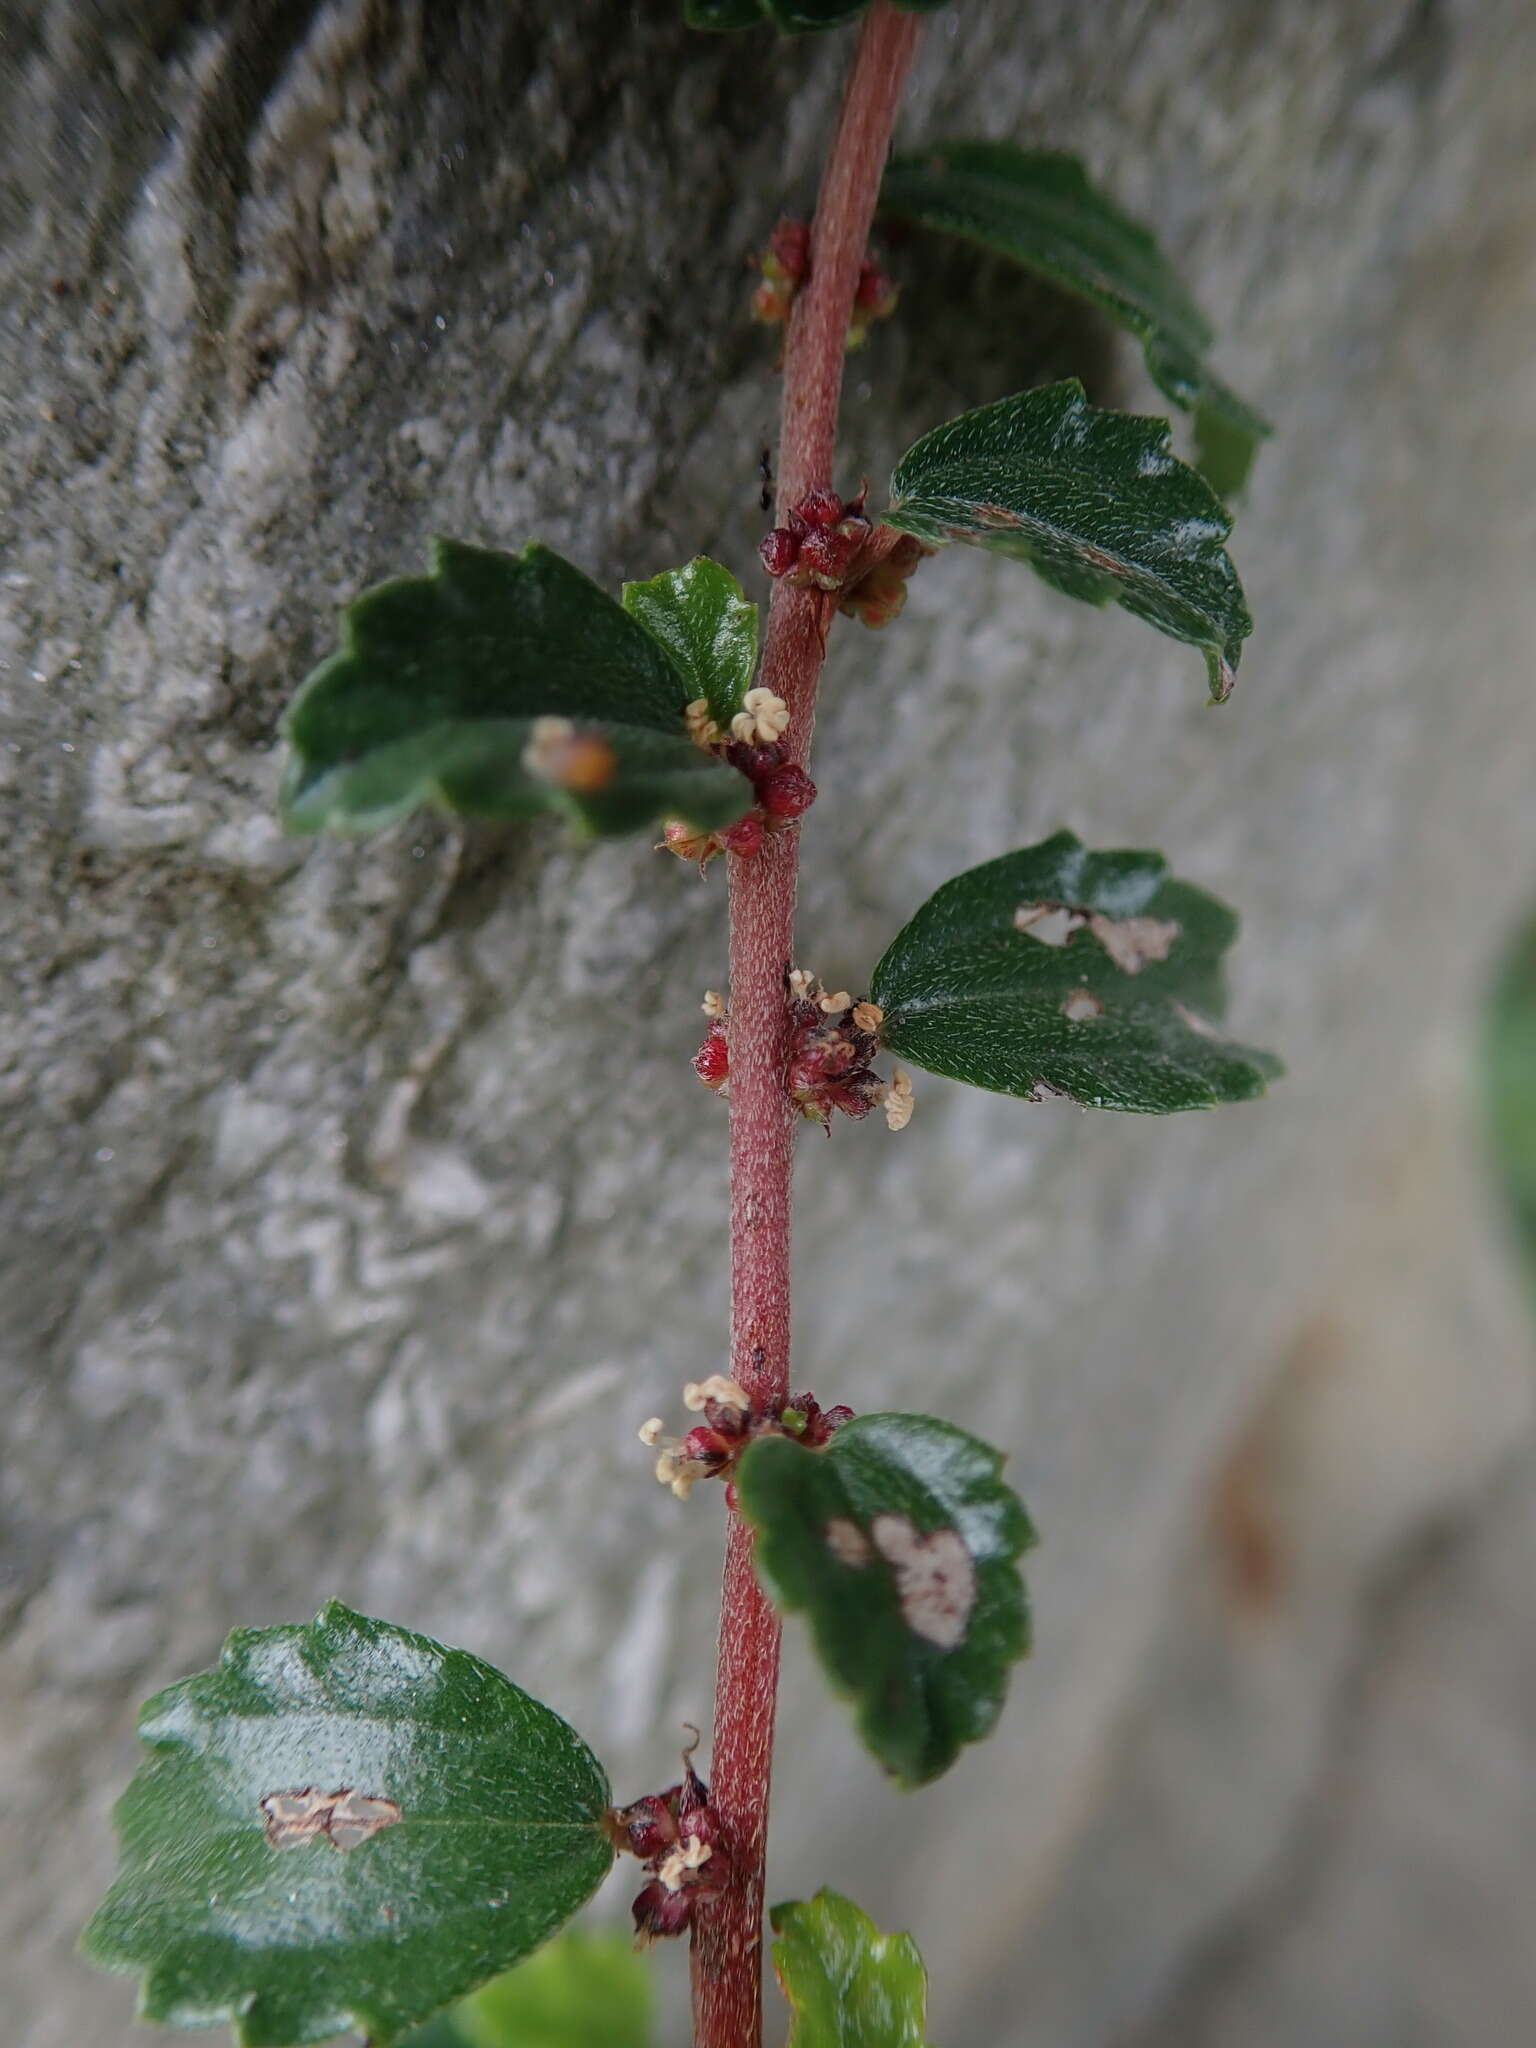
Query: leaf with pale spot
[
  {"x": 1119, "y": 1015},
  {"x": 707, "y": 625},
  {"x": 899, "y": 1542},
  {"x": 1095, "y": 501},
  {"x": 295, "y": 1931},
  {"x": 1040, "y": 209},
  {"x": 435, "y": 695},
  {"x": 848, "y": 1985}
]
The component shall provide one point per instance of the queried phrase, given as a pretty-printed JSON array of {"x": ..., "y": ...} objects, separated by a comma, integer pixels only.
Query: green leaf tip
[
  {"x": 579, "y": 1991},
  {"x": 899, "y": 1542},
  {"x": 707, "y": 625},
  {"x": 344, "y": 1825},
  {"x": 789, "y": 17},
  {"x": 848, "y": 1985},
  {"x": 1095, "y": 501},
  {"x": 1040, "y": 209},
  {"x": 498, "y": 686},
  {"x": 1060, "y": 971}
]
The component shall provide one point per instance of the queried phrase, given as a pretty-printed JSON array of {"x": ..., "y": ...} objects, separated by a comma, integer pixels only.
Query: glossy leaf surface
[
  {"x": 434, "y": 695},
  {"x": 344, "y": 1825},
  {"x": 899, "y": 1543},
  {"x": 1118, "y": 1016},
  {"x": 1040, "y": 208},
  {"x": 579, "y": 1991},
  {"x": 848, "y": 1985},
  {"x": 708, "y": 627},
  {"x": 1095, "y": 501}
]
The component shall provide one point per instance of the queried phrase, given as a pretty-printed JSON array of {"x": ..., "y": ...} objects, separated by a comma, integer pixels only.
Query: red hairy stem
[{"x": 727, "y": 1954}]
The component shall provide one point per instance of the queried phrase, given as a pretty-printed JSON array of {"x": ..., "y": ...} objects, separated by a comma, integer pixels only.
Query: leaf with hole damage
[
  {"x": 900, "y": 1543},
  {"x": 344, "y": 1825},
  {"x": 496, "y": 687},
  {"x": 1056, "y": 970},
  {"x": 1039, "y": 208},
  {"x": 1095, "y": 502},
  {"x": 848, "y": 1985},
  {"x": 790, "y": 17},
  {"x": 707, "y": 625},
  {"x": 579, "y": 1991}
]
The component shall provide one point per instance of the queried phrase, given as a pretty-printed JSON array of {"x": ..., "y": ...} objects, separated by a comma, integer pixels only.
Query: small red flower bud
[
  {"x": 745, "y": 836},
  {"x": 660, "y": 1913},
  {"x": 756, "y": 761},
  {"x": 712, "y": 1061},
  {"x": 779, "y": 550},
  {"x": 824, "y": 556},
  {"x": 707, "y": 1447},
  {"x": 790, "y": 247},
  {"x": 786, "y": 792},
  {"x": 647, "y": 1828},
  {"x": 821, "y": 507}
]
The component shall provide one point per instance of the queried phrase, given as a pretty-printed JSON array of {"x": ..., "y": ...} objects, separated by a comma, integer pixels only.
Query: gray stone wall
[{"x": 358, "y": 1200}]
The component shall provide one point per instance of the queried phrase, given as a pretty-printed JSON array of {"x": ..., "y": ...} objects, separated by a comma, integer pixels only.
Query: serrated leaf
[
  {"x": 434, "y": 695},
  {"x": 579, "y": 1991},
  {"x": 1039, "y": 208},
  {"x": 848, "y": 1985},
  {"x": 899, "y": 1542},
  {"x": 707, "y": 625},
  {"x": 344, "y": 1825},
  {"x": 1119, "y": 1016},
  {"x": 1095, "y": 501}
]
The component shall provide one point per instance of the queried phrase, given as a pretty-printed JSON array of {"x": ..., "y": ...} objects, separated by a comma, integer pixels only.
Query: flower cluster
[
  {"x": 731, "y": 1421},
  {"x": 832, "y": 1046},
  {"x": 821, "y": 543},
  {"x": 786, "y": 264},
  {"x": 833, "y": 1042},
  {"x": 755, "y": 746},
  {"x": 677, "y": 1836}
]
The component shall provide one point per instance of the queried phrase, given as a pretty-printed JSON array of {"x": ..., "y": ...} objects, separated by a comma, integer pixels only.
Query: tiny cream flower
[
  {"x": 650, "y": 1432},
  {"x": 833, "y": 1004},
  {"x": 898, "y": 1101},
  {"x": 802, "y": 984},
  {"x": 762, "y": 719},
  {"x": 700, "y": 724},
  {"x": 713, "y": 1004},
  {"x": 867, "y": 1016},
  {"x": 697, "y": 1395}
]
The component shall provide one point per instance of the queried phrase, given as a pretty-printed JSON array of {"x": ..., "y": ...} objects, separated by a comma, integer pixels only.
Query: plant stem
[{"x": 727, "y": 1954}]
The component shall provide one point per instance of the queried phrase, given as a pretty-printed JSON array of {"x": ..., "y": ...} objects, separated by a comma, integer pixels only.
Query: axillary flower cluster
[
  {"x": 712, "y": 1448},
  {"x": 833, "y": 1043}
]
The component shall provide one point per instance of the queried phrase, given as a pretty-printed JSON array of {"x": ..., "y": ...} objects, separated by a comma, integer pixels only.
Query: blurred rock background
[{"x": 358, "y": 1199}]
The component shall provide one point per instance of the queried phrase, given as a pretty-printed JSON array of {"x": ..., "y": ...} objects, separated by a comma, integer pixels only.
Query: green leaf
[
  {"x": 708, "y": 627},
  {"x": 440, "y": 678},
  {"x": 1119, "y": 1016},
  {"x": 899, "y": 1543},
  {"x": 579, "y": 1991},
  {"x": 1095, "y": 501},
  {"x": 849, "y": 1985},
  {"x": 1039, "y": 208},
  {"x": 250, "y": 1889}
]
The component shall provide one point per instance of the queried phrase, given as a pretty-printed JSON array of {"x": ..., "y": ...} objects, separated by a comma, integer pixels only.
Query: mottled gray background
[{"x": 359, "y": 1200}]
